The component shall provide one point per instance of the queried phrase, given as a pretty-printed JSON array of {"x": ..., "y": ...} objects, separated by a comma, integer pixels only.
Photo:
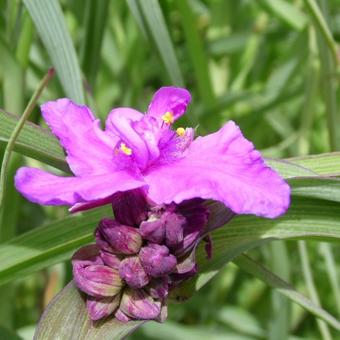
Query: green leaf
[
  {"x": 95, "y": 22},
  {"x": 33, "y": 141},
  {"x": 48, "y": 244},
  {"x": 322, "y": 164},
  {"x": 287, "y": 12},
  {"x": 155, "y": 25},
  {"x": 66, "y": 317},
  {"x": 254, "y": 268},
  {"x": 196, "y": 52},
  {"x": 49, "y": 21},
  {"x": 317, "y": 187}
]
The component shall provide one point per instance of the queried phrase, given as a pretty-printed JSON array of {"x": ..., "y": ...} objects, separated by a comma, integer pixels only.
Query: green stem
[
  {"x": 316, "y": 13},
  {"x": 16, "y": 131},
  {"x": 307, "y": 273}
]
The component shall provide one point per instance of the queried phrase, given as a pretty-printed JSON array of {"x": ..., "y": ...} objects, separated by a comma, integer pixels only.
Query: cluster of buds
[{"x": 139, "y": 257}]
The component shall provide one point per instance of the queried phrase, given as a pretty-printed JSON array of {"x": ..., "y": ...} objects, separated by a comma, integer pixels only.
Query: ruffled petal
[
  {"x": 169, "y": 99},
  {"x": 44, "y": 188},
  {"x": 89, "y": 149},
  {"x": 120, "y": 123},
  {"x": 223, "y": 166}
]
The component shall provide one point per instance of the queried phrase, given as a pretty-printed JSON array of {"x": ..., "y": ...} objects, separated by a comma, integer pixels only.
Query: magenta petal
[
  {"x": 87, "y": 146},
  {"x": 169, "y": 99},
  {"x": 120, "y": 122},
  {"x": 44, "y": 188},
  {"x": 223, "y": 166}
]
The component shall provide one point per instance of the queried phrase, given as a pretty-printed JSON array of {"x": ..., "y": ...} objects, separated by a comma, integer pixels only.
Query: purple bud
[
  {"x": 137, "y": 304},
  {"x": 121, "y": 239},
  {"x": 132, "y": 272},
  {"x": 111, "y": 260},
  {"x": 153, "y": 229},
  {"x": 174, "y": 225},
  {"x": 120, "y": 316},
  {"x": 97, "y": 280},
  {"x": 156, "y": 260},
  {"x": 159, "y": 288},
  {"x": 130, "y": 207},
  {"x": 101, "y": 308},
  {"x": 92, "y": 276},
  {"x": 196, "y": 216}
]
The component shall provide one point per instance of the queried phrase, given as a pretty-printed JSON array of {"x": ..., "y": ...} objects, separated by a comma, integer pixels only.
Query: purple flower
[{"x": 143, "y": 151}]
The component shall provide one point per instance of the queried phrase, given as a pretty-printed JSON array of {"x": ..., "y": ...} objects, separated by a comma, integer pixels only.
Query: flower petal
[
  {"x": 169, "y": 99},
  {"x": 89, "y": 149},
  {"x": 120, "y": 123},
  {"x": 44, "y": 188},
  {"x": 223, "y": 166}
]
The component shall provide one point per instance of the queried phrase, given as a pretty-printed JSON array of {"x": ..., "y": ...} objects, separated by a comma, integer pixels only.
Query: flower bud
[
  {"x": 120, "y": 316},
  {"x": 92, "y": 276},
  {"x": 111, "y": 260},
  {"x": 174, "y": 228},
  {"x": 153, "y": 229},
  {"x": 130, "y": 207},
  {"x": 97, "y": 280},
  {"x": 159, "y": 288},
  {"x": 156, "y": 260},
  {"x": 117, "y": 238},
  {"x": 99, "y": 308},
  {"x": 137, "y": 304},
  {"x": 132, "y": 272}
]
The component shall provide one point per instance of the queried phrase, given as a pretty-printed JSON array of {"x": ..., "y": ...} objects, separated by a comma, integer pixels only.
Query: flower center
[
  {"x": 180, "y": 131},
  {"x": 126, "y": 150},
  {"x": 168, "y": 118}
]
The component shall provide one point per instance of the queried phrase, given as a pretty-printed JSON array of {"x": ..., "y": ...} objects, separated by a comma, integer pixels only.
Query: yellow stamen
[
  {"x": 168, "y": 118},
  {"x": 180, "y": 131},
  {"x": 125, "y": 149}
]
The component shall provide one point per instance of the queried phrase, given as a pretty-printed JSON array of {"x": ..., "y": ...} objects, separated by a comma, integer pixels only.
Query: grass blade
[
  {"x": 49, "y": 21},
  {"x": 307, "y": 273},
  {"x": 253, "y": 267},
  {"x": 156, "y": 26}
]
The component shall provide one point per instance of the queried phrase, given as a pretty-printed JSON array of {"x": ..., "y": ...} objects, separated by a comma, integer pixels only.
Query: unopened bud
[
  {"x": 99, "y": 308},
  {"x": 138, "y": 304},
  {"x": 121, "y": 239},
  {"x": 156, "y": 260},
  {"x": 132, "y": 272}
]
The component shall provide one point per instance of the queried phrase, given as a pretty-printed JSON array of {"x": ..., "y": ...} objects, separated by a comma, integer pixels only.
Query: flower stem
[
  {"x": 307, "y": 273},
  {"x": 16, "y": 131},
  {"x": 316, "y": 13}
]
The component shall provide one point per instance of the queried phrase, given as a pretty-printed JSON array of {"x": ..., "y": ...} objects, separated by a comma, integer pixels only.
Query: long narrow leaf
[
  {"x": 253, "y": 267},
  {"x": 49, "y": 21}
]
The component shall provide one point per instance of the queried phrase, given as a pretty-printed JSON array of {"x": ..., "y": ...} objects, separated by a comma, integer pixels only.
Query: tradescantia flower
[
  {"x": 158, "y": 181},
  {"x": 138, "y": 150}
]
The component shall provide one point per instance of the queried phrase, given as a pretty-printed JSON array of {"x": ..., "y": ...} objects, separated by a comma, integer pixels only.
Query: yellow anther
[
  {"x": 125, "y": 149},
  {"x": 168, "y": 118},
  {"x": 180, "y": 131}
]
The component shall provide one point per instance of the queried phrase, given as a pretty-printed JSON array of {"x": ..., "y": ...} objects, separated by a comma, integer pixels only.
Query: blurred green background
[{"x": 270, "y": 65}]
